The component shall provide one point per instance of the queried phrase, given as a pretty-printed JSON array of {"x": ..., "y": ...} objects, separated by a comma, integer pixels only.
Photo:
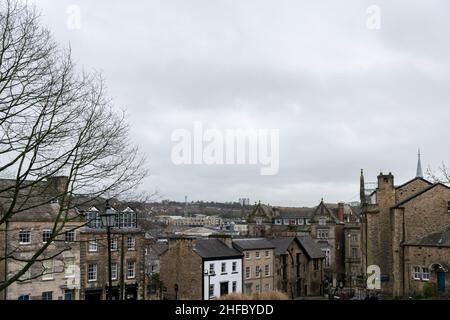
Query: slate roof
[
  {"x": 252, "y": 244},
  {"x": 215, "y": 248},
  {"x": 436, "y": 239},
  {"x": 281, "y": 244},
  {"x": 311, "y": 247},
  {"x": 159, "y": 248}
]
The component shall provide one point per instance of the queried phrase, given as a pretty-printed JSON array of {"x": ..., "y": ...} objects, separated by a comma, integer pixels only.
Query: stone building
[
  {"x": 55, "y": 274},
  {"x": 258, "y": 264},
  {"x": 299, "y": 266},
  {"x": 399, "y": 231},
  {"x": 127, "y": 256},
  {"x": 201, "y": 269},
  {"x": 324, "y": 223}
]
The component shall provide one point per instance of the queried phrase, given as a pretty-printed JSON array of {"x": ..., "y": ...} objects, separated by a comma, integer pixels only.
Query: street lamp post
[
  {"x": 108, "y": 221},
  {"x": 209, "y": 275}
]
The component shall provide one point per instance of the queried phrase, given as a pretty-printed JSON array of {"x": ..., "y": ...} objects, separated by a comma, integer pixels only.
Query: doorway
[
  {"x": 441, "y": 281},
  {"x": 223, "y": 288}
]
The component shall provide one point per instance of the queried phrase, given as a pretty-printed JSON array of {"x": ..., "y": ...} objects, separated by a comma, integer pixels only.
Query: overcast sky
[{"x": 344, "y": 96}]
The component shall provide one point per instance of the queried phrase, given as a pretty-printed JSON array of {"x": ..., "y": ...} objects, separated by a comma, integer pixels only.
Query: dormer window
[{"x": 322, "y": 221}]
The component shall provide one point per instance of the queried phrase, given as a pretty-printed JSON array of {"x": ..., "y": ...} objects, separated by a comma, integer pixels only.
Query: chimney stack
[{"x": 341, "y": 211}]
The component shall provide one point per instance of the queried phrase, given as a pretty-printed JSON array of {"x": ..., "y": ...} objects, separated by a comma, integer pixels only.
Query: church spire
[
  {"x": 419, "y": 173},
  {"x": 362, "y": 193}
]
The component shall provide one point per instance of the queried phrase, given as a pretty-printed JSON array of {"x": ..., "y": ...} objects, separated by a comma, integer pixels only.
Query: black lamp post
[
  {"x": 209, "y": 275},
  {"x": 108, "y": 221}
]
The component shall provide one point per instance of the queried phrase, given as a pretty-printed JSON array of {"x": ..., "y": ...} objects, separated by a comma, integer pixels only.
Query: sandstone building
[
  {"x": 299, "y": 266},
  {"x": 258, "y": 264},
  {"x": 405, "y": 233}
]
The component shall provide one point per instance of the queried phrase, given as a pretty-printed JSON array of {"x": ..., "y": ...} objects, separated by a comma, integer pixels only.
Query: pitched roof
[
  {"x": 290, "y": 212},
  {"x": 412, "y": 180},
  {"x": 252, "y": 244},
  {"x": 214, "y": 248},
  {"x": 281, "y": 244},
  {"x": 159, "y": 248},
  {"x": 438, "y": 239},
  {"x": 401, "y": 203},
  {"x": 312, "y": 249}
]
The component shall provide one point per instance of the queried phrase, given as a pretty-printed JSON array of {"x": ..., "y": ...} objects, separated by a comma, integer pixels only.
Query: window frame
[
  {"x": 69, "y": 236},
  {"x": 48, "y": 276},
  {"x": 91, "y": 245},
  {"x": 23, "y": 232},
  {"x": 133, "y": 243},
  {"x": 114, "y": 271},
  {"x": 416, "y": 272},
  {"x": 133, "y": 264},
  {"x": 46, "y": 233},
  {"x": 93, "y": 272}
]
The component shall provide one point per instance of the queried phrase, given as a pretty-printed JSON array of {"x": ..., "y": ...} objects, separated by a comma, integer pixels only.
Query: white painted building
[{"x": 222, "y": 268}]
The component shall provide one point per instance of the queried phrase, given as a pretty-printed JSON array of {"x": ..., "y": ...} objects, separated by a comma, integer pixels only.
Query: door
[
  {"x": 223, "y": 288},
  {"x": 68, "y": 295},
  {"x": 441, "y": 281}
]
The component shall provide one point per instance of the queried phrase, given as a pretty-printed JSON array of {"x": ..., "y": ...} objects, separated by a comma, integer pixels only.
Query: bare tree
[
  {"x": 54, "y": 121},
  {"x": 442, "y": 175}
]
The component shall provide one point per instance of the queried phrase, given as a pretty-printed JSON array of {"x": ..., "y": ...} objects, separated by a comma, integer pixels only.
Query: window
[
  {"x": 234, "y": 286},
  {"x": 292, "y": 221},
  {"x": 211, "y": 268},
  {"x": 234, "y": 266},
  {"x": 24, "y": 297},
  {"x": 267, "y": 253},
  {"x": 257, "y": 287},
  {"x": 258, "y": 271},
  {"x": 93, "y": 245},
  {"x": 300, "y": 222},
  {"x": 257, "y": 254},
  {"x": 354, "y": 253},
  {"x": 211, "y": 290},
  {"x": 354, "y": 237},
  {"x": 114, "y": 271},
  {"x": 24, "y": 237},
  {"x": 70, "y": 236},
  {"x": 47, "y": 272},
  {"x": 223, "y": 267},
  {"x": 27, "y": 275},
  {"x": 93, "y": 220},
  {"x": 131, "y": 243},
  {"x": 416, "y": 273},
  {"x": 131, "y": 269},
  {"x": 48, "y": 295},
  {"x": 113, "y": 244},
  {"x": 322, "y": 221},
  {"x": 425, "y": 274},
  {"x": 286, "y": 222},
  {"x": 278, "y": 222},
  {"x": 307, "y": 222},
  {"x": 248, "y": 273},
  {"x": 448, "y": 206},
  {"x": 92, "y": 272},
  {"x": 327, "y": 257},
  {"x": 46, "y": 235},
  {"x": 322, "y": 234},
  {"x": 247, "y": 255},
  {"x": 267, "y": 287},
  {"x": 69, "y": 268},
  {"x": 266, "y": 270},
  {"x": 316, "y": 265}
]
